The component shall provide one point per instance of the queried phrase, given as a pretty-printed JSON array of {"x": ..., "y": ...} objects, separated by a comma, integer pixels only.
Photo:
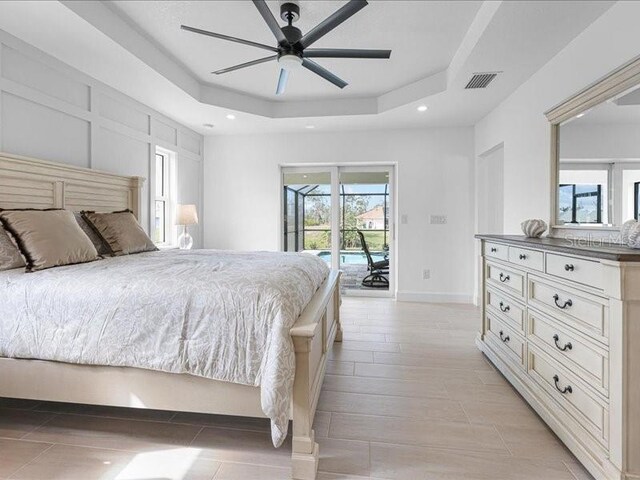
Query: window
[
  {"x": 163, "y": 204},
  {"x": 365, "y": 206},
  {"x": 307, "y": 216},
  {"x": 636, "y": 200},
  {"x": 584, "y": 193},
  {"x": 581, "y": 203}
]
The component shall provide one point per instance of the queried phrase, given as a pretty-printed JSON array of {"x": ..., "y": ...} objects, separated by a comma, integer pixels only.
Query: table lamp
[{"x": 186, "y": 215}]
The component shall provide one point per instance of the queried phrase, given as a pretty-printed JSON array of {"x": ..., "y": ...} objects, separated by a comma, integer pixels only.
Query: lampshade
[{"x": 186, "y": 215}]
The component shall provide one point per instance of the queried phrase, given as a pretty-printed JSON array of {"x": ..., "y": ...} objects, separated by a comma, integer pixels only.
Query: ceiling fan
[{"x": 293, "y": 49}]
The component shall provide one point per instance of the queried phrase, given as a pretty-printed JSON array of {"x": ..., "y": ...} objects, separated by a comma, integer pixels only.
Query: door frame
[{"x": 334, "y": 169}]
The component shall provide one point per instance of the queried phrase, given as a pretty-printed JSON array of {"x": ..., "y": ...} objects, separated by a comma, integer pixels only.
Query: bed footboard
[{"x": 313, "y": 335}]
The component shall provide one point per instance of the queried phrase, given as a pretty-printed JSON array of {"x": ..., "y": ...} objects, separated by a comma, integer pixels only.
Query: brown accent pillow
[
  {"x": 9, "y": 254},
  {"x": 102, "y": 248},
  {"x": 121, "y": 232},
  {"x": 48, "y": 238}
]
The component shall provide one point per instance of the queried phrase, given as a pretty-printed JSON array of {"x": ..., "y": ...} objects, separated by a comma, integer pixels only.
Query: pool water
[{"x": 352, "y": 258}]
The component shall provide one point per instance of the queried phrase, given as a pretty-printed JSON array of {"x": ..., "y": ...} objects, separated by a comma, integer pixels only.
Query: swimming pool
[{"x": 351, "y": 258}]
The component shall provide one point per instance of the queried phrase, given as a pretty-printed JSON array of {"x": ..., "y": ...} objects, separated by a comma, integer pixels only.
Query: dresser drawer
[
  {"x": 496, "y": 250},
  {"x": 586, "y": 313},
  {"x": 571, "y": 350},
  {"x": 586, "y": 272},
  {"x": 586, "y": 409},
  {"x": 527, "y": 258},
  {"x": 505, "y": 339},
  {"x": 510, "y": 310},
  {"x": 506, "y": 279}
]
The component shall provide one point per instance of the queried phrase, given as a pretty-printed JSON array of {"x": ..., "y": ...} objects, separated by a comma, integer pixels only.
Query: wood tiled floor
[{"x": 407, "y": 396}]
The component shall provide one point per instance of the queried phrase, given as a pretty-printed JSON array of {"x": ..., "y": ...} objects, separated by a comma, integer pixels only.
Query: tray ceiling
[
  {"x": 424, "y": 36},
  {"x": 139, "y": 49}
]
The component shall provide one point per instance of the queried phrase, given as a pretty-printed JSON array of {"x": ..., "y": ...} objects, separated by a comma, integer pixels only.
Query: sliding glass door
[
  {"x": 308, "y": 212},
  {"x": 344, "y": 215},
  {"x": 365, "y": 228}
]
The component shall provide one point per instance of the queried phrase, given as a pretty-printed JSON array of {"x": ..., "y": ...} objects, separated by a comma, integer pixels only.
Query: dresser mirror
[{"x": 596, "y": 154}]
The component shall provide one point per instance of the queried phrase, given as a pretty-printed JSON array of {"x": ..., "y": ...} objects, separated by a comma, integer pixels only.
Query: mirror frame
[{"x": 618, "y": 81}]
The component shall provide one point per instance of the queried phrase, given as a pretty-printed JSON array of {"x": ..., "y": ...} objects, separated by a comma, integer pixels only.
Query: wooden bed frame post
[
  {"x": 305, "y": 452},
  {"x": 312, "y": 339},
  {"x": 136, "y": 193},
  {"x": 337, "y": 299}
]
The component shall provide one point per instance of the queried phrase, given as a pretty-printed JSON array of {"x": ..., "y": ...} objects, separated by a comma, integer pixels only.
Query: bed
[{"x": 275, "y": 370}]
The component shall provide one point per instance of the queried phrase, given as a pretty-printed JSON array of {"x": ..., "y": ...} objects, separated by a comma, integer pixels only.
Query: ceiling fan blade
[
  {"x": 272, "y": 23},
  {"x": 228, "y": 38},
  {"x": 246, "y": 64},
  {"x": 345, "y": 53},
  {"x": 282, "y": 81},
  {"x": 323, "y": 72},
  {"x": 332, "y": 21}
]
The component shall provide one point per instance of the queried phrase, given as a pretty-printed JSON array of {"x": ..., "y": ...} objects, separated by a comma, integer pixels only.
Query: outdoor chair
[{"x": 377, "y": 270}]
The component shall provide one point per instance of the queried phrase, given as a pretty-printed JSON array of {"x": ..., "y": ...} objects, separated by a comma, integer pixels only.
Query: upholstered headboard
[{"x": 30, "y": 183}]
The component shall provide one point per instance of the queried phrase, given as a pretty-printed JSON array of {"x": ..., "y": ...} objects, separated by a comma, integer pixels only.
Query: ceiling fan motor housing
[
  {"x": 290, "y": 11},
  {"x": 292, "y": 33}
]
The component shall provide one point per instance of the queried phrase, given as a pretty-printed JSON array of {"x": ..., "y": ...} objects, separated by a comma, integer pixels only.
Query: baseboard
[
  {"x": 434, "y": 297},
  {"x": 353, "y": 292}
]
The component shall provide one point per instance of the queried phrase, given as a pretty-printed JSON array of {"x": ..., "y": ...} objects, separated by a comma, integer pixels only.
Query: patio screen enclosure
[{"x": 307, "y": 216}]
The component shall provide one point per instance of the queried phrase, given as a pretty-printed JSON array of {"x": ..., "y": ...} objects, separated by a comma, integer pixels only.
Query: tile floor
[
  {"x": 407, "y": 397},
  {"x": 352, "y": 276}
]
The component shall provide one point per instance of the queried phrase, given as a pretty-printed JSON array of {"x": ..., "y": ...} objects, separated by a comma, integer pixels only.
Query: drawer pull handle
[
  {"x": 564, "y": 390},
  {"x": 569, "y": 267},
  {"x": 522, "y": 256},
  {"x": 494, "y": 249},
  {"x": 504, "y": 278},
  {"x": 505, "y": 339},
  {"x": 566, "y": 304},
  {"x": 504, "y": 308},
  {"x": 567, "y": 346}
]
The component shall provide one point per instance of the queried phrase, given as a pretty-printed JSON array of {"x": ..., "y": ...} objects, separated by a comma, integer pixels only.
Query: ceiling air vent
[{"x": 481, "y": 80}]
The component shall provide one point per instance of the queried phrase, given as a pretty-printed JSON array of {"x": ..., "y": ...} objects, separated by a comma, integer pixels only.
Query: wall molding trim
[
  {"x": 434, "y": 297},
  {"x": 52, "y": 111}
]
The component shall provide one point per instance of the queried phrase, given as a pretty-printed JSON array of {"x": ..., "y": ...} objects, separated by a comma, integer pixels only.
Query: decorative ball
[
  {"x": 626, "y": 229},
  {"x": 534, "y": 227}
]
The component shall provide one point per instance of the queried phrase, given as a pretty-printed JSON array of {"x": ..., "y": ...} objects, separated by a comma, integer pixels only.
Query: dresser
[{"x": 561, "y": 321}]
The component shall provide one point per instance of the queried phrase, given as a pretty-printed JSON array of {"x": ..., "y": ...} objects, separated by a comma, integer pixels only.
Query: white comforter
[{"x": 216, "y": 314}]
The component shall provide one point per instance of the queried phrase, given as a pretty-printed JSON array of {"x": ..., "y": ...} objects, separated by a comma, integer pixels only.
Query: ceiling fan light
[{"x": 290, "y": 61}]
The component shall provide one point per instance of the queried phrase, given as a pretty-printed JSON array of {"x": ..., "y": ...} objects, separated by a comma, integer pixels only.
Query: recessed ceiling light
[
  {"x": 580, "y": 115},
  {"x": 422, "y": 108},
  {"x": 310, "y": 127},
  {"x": 208, "y": 125},
  {"x": 304, "y": 176},
  {"x": 231, "y": 116}
]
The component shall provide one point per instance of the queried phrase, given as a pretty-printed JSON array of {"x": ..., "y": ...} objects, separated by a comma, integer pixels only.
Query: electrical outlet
[
  {"x": 438, "y": 219},
  {"x": 426, "y": 274},
  {"x": 404, "y": 219}
]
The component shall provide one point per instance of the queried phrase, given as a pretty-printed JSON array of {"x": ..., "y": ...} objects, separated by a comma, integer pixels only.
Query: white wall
[
  {"x": 520, "y": 123},
  {"x": 489, "y": 191},
  {"x": 602, "y": 141},
  {"x": 50, "y": 111},
  {"x": 434, "y": 176}
]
